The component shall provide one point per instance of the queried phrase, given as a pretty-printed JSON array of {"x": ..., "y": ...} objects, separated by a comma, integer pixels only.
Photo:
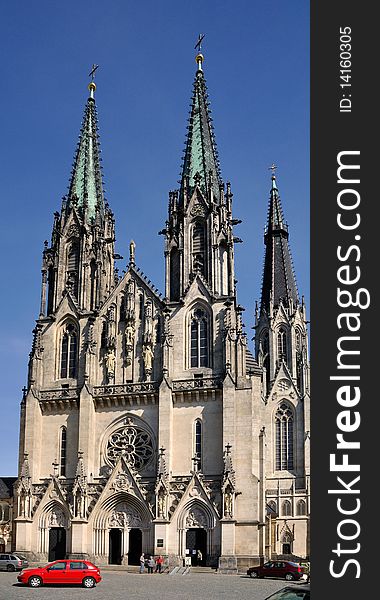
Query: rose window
[{"x": 132, "y": 442}]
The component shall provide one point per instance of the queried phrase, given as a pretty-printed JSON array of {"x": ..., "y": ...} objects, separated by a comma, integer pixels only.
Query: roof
[{"x": 6, "y": 486}]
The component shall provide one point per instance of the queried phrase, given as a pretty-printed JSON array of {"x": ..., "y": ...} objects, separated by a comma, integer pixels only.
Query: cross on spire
[
  {"x": 198, "y": 45},
  {"x": 272, "y": 168},
  {"x": 92, "y": 72}
]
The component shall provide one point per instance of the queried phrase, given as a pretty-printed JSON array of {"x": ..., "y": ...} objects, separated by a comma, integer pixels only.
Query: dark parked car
[
  {"x": 82, "y": 572},
  {"x": 284, "y": 569},
  {"x": 292, "y": 592},
  {"x": 12, "y": 562}
]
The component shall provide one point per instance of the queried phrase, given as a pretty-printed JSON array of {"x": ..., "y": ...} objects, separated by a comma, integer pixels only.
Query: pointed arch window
[
  {"x": 199, "y": 339},
  {"x": 141, "y": 306},
  {"x": 92, "y": 284},
  {"x": 284, "y": 422},
  {"x": 198, "y": 444},
  {"x": 286, "y": 508},
  {"x": 69, "y": 351},
  {"x": 272, "y": 508},
  {"x": 73, "y": 268},
  {"x": 266, "y": 360},
  {"x": 62, "y": 451},
  {"x": 282, "y": 345},
  {"x": 223, "y": 269},
  {"x": 198, "y": 247},
  {"x": 299, "y": 359},
  {"x": 301, "y": 508},
  {"x": 174, "y": 274}
]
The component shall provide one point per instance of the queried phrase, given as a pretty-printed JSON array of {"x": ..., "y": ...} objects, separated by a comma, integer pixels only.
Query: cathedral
[{"x": 147, "y": 424}]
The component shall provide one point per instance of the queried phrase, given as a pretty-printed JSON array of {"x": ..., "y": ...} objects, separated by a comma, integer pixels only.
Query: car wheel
[
  {"x": 35, "y": 581},
  {"x": 289, "y": 577},
  {"x": 88, "y": 582},
  {"x": 254, "y": 574},
  {"x": 11, "y": 568}
]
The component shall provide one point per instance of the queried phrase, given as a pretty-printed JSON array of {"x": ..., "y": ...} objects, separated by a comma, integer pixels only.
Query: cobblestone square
[{"x": 119, "y": 585}]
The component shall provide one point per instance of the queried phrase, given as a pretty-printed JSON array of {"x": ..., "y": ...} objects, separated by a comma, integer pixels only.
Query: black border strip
[{"x": 332, "y": 132}]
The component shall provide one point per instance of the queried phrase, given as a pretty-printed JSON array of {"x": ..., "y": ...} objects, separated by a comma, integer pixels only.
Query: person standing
[
  {"x": 151, "y": 564},
  {"x": 199, "y": 557},
  {"x": 159, "y": 563},
  {"x": 142, "y": 563}
]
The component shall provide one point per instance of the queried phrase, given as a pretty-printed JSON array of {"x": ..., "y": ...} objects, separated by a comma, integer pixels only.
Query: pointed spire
[
  {"x": 200, "y": 155},
  {"x": 86, "y": 186},
  {"x": 278, "y": 279}
]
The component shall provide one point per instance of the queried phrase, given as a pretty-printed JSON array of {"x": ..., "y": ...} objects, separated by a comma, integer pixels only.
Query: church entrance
[
  {"x": 57, "y": 543},
  {"x": 196, "y": 546},
  {"x": 135, "y": 546},
  {"x": 114, "y": 557}
]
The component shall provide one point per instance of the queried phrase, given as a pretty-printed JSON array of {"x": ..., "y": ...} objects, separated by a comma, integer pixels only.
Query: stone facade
[{"x": 147, "y": 424}]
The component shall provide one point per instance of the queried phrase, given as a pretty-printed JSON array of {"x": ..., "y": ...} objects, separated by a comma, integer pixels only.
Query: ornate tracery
[{"x": 132, "y": 441}]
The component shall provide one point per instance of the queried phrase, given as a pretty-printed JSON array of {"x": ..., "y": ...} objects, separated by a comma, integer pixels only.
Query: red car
[
  {"x": 67, "y": 571},
  {"x": 278, "y": 568}
]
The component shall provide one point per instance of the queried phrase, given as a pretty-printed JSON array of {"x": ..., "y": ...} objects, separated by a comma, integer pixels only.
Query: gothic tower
[{"x": 282, "y": 353}]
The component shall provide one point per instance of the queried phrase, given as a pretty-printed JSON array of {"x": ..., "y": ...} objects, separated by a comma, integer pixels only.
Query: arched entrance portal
[
  {"x": 196, "y": 545},
  {"x": 135, "y": 546},
  {"x": 57, "y": 543}
]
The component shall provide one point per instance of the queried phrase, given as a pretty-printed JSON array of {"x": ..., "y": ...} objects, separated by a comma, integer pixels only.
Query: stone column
[
  {"x": 79, "y": 547},
  {"x": 165, "y": 421}
]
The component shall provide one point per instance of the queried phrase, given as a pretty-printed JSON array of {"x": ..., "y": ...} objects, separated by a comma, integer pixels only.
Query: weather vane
[
  {"x": 92, "y": 72},
  {"x": 273, "y": 168},
  {"x": 199, "y": 42}
]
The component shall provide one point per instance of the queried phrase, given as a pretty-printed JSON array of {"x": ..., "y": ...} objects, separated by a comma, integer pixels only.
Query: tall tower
[
  {"x": 198, "y": 233},
  {"x": 282, "y": 353},
  {"x": 281, "y": 325},
  {"x": 80, "y": 259}
]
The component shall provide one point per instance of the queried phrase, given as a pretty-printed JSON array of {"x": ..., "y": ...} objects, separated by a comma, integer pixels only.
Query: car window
[
  {"x": 14, "y": 557},
  {"x": 3, "y": 557},
  {"x": 77, "y": 566},
  {"x": 268, "y": 565},
  {"x": 58, "y": 566}
]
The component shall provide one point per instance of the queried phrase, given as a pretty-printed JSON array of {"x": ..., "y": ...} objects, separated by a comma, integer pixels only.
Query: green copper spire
[
  {"x": 86, "y": 178},
  {"x": 200, "y": 150}
]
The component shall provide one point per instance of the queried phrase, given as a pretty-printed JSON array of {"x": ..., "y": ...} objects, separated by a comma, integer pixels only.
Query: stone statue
[
  {"x": 110, "y": 363},
  {"x": 228, "y": 504},
  {"x": 161, "y": 504},
  {"x": 129, "y": 334},
  {"x": 148, "y": 358}
]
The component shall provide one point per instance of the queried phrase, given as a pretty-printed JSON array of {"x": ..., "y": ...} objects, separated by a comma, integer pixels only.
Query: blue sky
[{"x": 257, "y": 72}]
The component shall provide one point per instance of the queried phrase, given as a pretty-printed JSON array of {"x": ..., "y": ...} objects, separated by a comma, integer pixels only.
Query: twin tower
[{"x": 148, "y": 425}]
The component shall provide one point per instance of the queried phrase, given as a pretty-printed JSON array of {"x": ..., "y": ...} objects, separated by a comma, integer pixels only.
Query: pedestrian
[
  {"x": 142, "y": 563},
  {"x": 199, "y": 557},
  {"x": 159, "y": 563},
  {"x": 151, "y": 564}
]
